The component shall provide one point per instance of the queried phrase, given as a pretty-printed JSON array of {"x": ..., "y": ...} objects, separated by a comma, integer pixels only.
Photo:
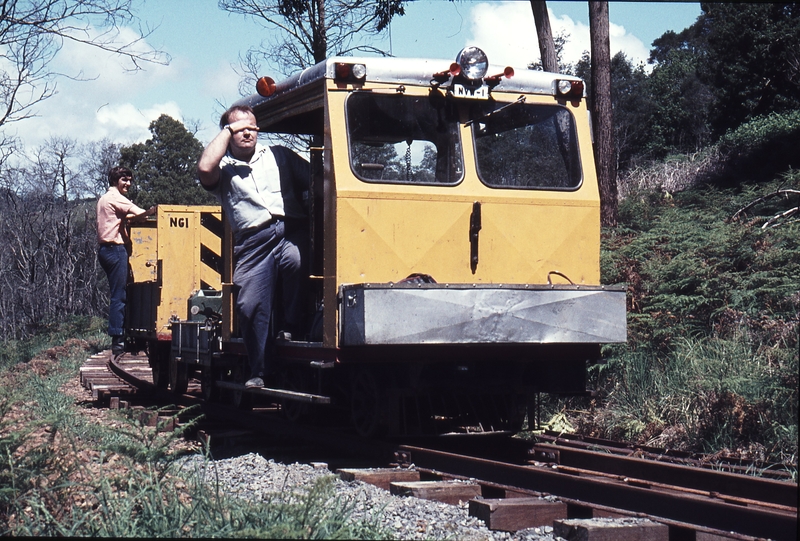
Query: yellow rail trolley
[{"x": 454, "y": 222}]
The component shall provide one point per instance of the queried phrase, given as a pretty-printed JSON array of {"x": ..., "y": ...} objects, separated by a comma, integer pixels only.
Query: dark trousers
[
  {"x": 261, "y": 257},
  {"x": 114, "y": 260}
]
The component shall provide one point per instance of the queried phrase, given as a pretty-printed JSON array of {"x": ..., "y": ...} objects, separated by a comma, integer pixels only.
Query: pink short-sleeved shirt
[{"x": 112, "y": 208}]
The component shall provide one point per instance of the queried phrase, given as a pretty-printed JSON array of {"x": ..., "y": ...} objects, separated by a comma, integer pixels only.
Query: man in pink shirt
[{"x": 113, "y": 208}]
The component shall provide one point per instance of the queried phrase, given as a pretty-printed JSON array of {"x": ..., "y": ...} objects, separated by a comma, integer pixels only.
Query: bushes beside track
[{"x": 711, "y": 363}]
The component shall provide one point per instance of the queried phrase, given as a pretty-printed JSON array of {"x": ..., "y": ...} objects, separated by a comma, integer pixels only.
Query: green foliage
[
  {"x": 143, "y": 445},
  {"x": 679, "y": 113},
  {"x": 707, "y": 395},
  {"x": 712, "y": 356},
  {"x": 763, "y": 147},
  {"x": 738, "y": 62},
  {"x": 631, "y": 103},
  {"x": 688, "y": 266},
  {"x": 11, "y": 480},
  {"x": 164, "y": 166},
  {"x": 750, "y": 60}
]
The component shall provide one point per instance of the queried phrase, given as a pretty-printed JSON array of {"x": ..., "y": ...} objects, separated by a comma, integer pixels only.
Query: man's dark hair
[
  {"x": 223, "y": 121},
  {"x": 117, "y": 173}
]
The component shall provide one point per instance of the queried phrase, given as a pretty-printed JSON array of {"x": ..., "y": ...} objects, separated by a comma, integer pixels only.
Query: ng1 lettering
[{"x": 179, "y": 222}]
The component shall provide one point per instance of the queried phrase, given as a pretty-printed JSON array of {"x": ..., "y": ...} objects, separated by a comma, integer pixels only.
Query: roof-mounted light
[
  {"x": 473, "y": 62},
  {"x": 265, "y": 86},
  {"x": 571, "y": 90},
  {"x": 350, "y": 73}
]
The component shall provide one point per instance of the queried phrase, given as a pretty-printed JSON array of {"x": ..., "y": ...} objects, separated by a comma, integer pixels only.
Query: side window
[
  {"x": 527, "y": 146},
  {"x": 394, "y": 138}
]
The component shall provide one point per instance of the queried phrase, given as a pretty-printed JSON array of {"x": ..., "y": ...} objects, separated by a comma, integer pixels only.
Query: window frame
[
  {"x": 457, "y": 143},
  {"x": 576, "y": 146}
]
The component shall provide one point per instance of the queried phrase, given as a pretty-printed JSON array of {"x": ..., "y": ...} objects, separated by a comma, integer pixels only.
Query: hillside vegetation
[{"x": 711, "y": 362}]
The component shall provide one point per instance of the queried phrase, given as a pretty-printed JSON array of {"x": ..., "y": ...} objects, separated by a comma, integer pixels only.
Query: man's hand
[
  {"x": 241, "y": 125},
  {"x": 138, "y": 217}
]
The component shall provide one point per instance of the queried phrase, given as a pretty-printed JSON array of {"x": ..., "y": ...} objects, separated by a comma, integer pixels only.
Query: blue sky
[{"x": 204, "y": 44}]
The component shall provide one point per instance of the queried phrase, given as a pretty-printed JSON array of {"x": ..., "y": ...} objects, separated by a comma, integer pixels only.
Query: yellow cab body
[{"x": 448, "y": 210}]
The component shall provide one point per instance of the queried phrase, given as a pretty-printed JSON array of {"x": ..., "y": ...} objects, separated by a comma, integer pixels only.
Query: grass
[{"x": 62, "y": 475}]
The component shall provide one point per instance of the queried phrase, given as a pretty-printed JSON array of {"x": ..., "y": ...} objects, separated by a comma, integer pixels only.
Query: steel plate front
[{"x": 439, "y": 314}]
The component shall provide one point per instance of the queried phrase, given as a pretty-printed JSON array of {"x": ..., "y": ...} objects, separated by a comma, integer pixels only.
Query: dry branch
[{"x": 778, "y": 193}]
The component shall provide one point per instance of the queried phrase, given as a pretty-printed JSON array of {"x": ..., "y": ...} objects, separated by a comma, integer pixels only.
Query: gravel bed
[{"x": 255, "y": 477}]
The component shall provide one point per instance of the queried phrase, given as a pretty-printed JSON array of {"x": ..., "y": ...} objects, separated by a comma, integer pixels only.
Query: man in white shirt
[{"x": 260, "y": 190}]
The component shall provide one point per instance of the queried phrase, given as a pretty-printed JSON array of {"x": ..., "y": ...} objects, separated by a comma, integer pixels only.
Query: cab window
[
  {"x": 526, "y": 146},
  {"x": 396, "y": 138}
]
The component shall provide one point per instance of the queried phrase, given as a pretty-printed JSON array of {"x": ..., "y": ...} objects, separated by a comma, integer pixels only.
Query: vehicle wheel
[
  {"x": 158, "y": 356},
  {"x": 368, "y": 405},
  {"x": 239, "y": 398},
  {"x": 296, "y": 380},
  {"x": 178, "y": 375},
  {"x": 208, "y": 387}
]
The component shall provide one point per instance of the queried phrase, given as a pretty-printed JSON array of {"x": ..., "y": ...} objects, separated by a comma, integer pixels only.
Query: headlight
[
  {"x": 473, "y": 62},
  {"x": 572, "y": 90}
]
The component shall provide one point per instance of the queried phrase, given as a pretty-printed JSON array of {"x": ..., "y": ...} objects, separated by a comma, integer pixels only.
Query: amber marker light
[
  {"x": 265, "y": 86},
  {"x": 350, "y": 73}
]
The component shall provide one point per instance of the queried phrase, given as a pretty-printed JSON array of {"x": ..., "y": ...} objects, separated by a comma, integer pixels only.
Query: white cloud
[
  {"x": 123, "y": 121},
  {"x": 506, "y": 31},
  {"x": 621, "y": 40},
  {"x": 98, "y": 95}
]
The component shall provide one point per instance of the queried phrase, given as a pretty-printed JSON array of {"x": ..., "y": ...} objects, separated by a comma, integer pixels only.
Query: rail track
[{"x": 591, "y": 478}]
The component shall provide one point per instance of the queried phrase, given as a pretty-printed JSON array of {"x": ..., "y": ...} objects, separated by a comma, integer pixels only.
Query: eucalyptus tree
[
  {"x": 547, "y": 45},
  {"x": 49, "y": 237},
  {"x": 602, "y": 124}
]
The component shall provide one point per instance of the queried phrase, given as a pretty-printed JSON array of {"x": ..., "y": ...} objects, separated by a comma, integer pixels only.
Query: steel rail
[
  {"x": 685, "y": 508},
  {"x": 729, "y": 484},
  {"x": 732, "y": 465}
]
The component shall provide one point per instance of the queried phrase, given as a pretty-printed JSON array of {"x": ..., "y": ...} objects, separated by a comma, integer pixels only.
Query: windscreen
[
  {"x": 396, "y": 138},
  {"x": 526, "y": 146}
]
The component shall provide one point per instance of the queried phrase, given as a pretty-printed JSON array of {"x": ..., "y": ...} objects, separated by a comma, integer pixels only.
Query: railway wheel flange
[
  {"x": 178, "y": 375},
  {"x": 239, "y": 398},
  {"x": 208, "y": 385},
  {"x": 158, "y": 358}
]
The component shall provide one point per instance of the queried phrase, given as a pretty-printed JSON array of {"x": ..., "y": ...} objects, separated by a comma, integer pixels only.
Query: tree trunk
[
  {"x": 320, "y": 27},
  {"x": 601, "y": 112},
  {"x": 547, "y": 47}
]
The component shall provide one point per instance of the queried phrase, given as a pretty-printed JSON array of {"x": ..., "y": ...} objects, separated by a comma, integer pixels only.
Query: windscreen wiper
[{"x": 519, "y": 100}]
